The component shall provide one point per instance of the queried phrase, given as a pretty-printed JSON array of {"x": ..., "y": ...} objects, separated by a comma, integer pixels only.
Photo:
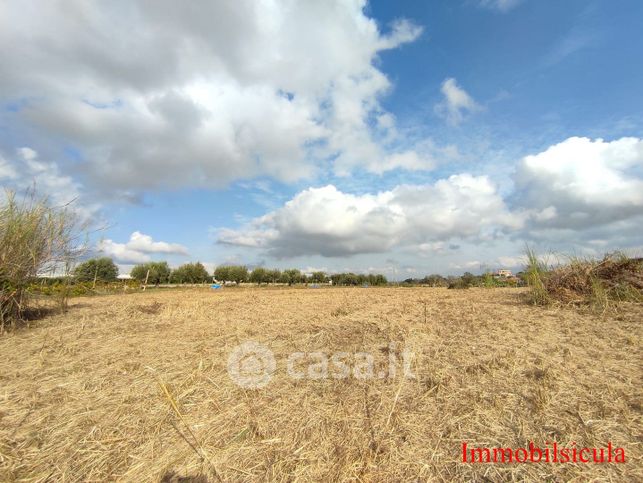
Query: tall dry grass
[
  {"x": 35, "y": 238},
  {"x": 536, "y": 273}
]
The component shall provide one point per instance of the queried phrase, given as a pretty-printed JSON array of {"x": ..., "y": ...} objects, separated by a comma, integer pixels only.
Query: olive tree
[
  {"x": 159, "y": 272},
  {"x": 100, "y": 269}
]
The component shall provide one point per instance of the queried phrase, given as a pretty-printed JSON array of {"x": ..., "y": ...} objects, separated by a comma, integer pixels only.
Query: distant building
[{"x": 504, "y": 273}]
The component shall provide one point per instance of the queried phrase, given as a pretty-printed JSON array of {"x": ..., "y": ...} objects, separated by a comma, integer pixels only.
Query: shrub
[
  {"x": 55, "y": 287},
  {"x": 465, "y": 281},
  {"x": 489, "y": 281},
  {"x": 435, "y": 280},
  {"x": 458, "y": 283},
  {"x": 35, "y": 238},
  {"x": 469, "y": 279}
]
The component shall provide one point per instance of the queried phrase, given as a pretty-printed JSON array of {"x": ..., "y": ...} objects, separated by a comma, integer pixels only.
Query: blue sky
[{"x": 399, "y": 137}]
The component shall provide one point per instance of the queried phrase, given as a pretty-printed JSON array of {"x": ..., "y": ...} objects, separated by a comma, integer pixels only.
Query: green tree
[
  {"x": 190, "y": 273},
  {"x": 380, "y": 280},
  {"x": 376, "y": 279},
  {"x": 350, "y": 278},
  {"x": 274, "y": 275},
  {"x": 336, "y": 278},
  {"x": 231, "y": 273},
  {"x": 291, "y": 276},
  {"x": 159, "y": 272},
  {"x": 239, "y": 273},
  {"x": 259, "y": 275},
  {"x": 353, "y": 279},
  {"x": 222, "y": 273},
  {"x": 101, "y": 269},
  {"x": 318, "y": 277}
]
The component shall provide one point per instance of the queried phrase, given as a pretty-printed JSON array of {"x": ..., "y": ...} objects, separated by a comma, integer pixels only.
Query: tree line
[
  {"x": 466, "y": 280},
  {"x": 105, "y": 270}
]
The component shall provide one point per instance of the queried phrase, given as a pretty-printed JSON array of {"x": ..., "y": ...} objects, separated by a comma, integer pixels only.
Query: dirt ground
[{"x": 136, "y": 387}]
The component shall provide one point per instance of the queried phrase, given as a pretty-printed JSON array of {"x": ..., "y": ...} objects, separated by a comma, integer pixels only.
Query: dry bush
[
  {"x": 585, "y": 281},
  {"x": 35, "y": 238},
  {"x": 614, "y": 278}
]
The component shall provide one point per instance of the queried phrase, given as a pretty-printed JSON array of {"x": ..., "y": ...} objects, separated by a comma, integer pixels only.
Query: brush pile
[{"x": 614, "y": 278}]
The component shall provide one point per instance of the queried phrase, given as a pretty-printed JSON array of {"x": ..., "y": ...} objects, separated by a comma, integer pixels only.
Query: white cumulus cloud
[
  {"x": 144, "y": 243},
  {"x": 138, "y": 249},
  {"x": 582, "y": 183},
  {"x": 325, "y": 221},
  {"x": 167, "y": 94},
  {"x": 564, "y": 197}
]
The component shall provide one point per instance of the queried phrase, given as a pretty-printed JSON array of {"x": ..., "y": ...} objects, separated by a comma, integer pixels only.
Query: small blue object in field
[
  {"x": 365, "y": 285},
  {"x": 313, "y": 285},
  {"x": 215, "y": 286}
]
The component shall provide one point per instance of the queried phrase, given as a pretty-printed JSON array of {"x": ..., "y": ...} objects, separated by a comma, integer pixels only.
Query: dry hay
[
  {"x": 135, "y": 388},
  {"x": 615, "y": 278}
]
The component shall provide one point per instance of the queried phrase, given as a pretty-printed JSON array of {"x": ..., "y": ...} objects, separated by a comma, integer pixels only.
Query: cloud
[
  {"x": 512, "y": 261},
  {"x": 457, "y": 103},
  {"x": 7, "y": 171},
  {"x": 27, "y": 154},
  {"x": 26, "y": 171},
  {"x": 582, "y": 183},
  {"x": 575, "y": 41},
  {"x": 120, "y": 252},
  {"x": 144, "y": 243},
  {"x": 565, "y": 197},
  {"x": 325, "y": 221},
  {"x": 472, "y": 264},
  {"x": 163, "y": 95},
  {"x": 402, "y": 31},
  {"x": 138, "y": 249},
  {"x": 500, "y": 5}
]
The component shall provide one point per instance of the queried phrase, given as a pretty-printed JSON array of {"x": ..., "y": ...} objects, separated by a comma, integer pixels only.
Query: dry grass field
[{"x": 135, "y": 388}]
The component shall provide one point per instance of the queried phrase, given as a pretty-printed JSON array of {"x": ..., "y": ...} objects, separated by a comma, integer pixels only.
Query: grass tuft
[{"x": 535, "y": 275}]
